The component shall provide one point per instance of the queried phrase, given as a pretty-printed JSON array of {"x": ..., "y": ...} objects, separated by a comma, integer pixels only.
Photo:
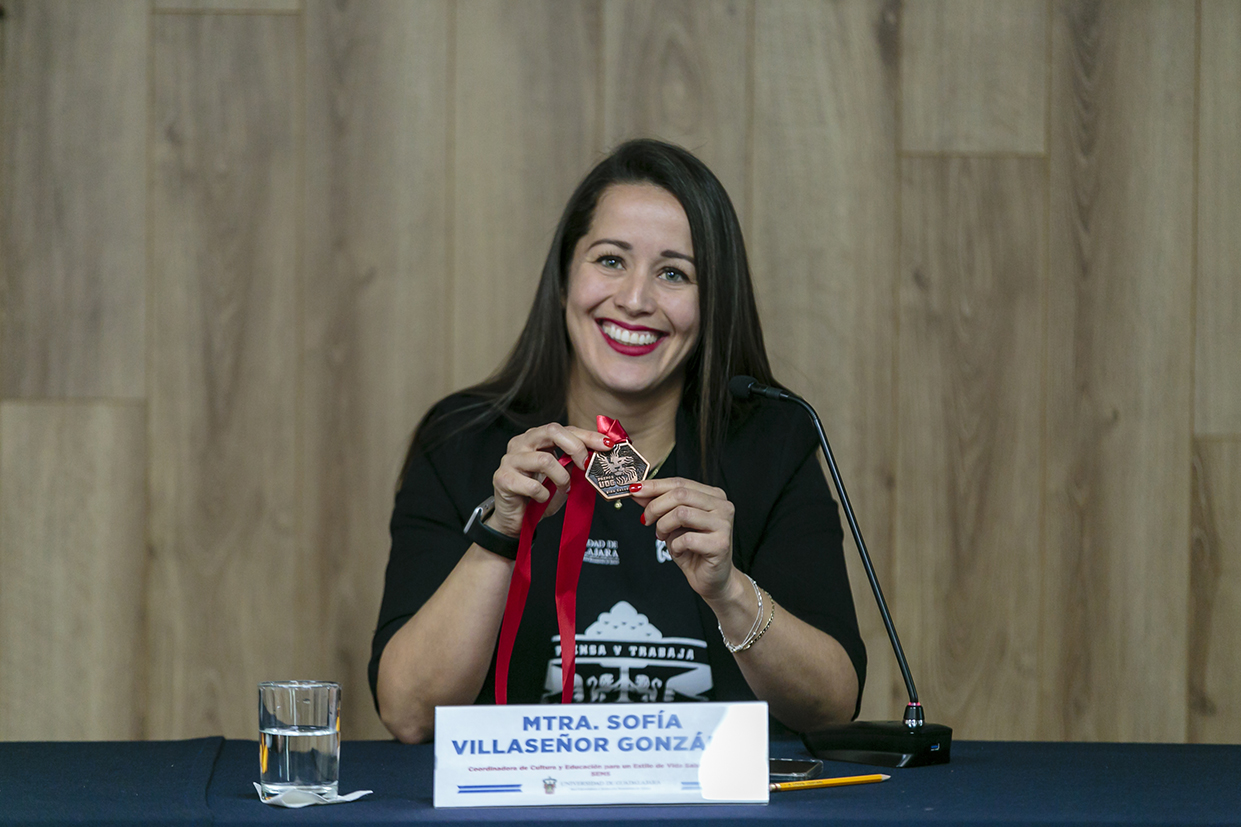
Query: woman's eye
[
  {"x": 611, "y": 262},
  {"x": 674, "y": 275}
]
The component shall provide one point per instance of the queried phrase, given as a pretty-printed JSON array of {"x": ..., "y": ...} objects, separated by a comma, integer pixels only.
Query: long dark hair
[{"x": 531, "y": 386}]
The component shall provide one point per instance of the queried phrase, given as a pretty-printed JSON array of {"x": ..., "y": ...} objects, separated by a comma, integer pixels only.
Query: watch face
[{"x": 613, "y": 472}]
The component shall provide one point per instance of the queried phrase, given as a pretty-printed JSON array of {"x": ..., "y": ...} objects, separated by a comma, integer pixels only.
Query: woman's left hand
[
  {"x": 696, "y": 521},
  {"x": 805, "y": 676}
]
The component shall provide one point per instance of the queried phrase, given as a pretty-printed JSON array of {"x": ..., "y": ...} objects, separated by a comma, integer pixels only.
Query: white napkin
[{"x": 300, "y": 798}]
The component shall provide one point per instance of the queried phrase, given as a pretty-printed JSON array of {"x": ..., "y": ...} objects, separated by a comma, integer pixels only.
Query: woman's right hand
[{"x": 529, "y": 461}]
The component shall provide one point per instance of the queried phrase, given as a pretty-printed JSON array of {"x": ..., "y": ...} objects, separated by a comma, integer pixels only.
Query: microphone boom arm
[
  {"x": 908, "y": 743},
  {"x": 866, "y": 563}
]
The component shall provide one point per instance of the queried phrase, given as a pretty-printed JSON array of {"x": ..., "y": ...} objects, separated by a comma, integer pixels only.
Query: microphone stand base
[{"x": 882, "y": 743}]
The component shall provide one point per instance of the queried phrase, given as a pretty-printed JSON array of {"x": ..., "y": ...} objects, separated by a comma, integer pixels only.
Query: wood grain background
[{"x": 244, "y": 244}]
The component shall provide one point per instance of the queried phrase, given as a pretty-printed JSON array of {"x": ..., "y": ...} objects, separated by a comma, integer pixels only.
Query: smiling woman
[
  {"x": 643, "y": 313},
  {"x": 632, "y": 305}
]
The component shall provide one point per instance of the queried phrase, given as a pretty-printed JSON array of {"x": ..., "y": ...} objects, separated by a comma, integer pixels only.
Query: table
[
  {"x": 209, "y": 781},
  {"x": 128, "y": 782}
]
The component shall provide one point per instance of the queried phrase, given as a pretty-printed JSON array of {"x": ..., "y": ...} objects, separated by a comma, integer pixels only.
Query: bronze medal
[{"x": 613, "y": 472}]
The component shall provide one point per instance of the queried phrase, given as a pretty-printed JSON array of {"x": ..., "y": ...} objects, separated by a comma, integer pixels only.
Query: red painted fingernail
[
  {"x": 642, "y": 518},
  {"x": 607, "y": 442},
  {"x": 635, "y": 487}
]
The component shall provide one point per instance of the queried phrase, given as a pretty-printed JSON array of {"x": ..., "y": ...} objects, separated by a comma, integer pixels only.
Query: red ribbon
[
  {"x": 611, "y": 428},
  {"x": 578, "y": 512}
]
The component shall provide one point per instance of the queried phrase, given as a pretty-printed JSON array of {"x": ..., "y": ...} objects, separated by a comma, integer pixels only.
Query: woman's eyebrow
[{"x": 624, "y": 245}]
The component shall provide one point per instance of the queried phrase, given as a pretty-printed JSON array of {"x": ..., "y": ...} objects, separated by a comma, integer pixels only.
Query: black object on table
[{"x": 987, "y": 783}]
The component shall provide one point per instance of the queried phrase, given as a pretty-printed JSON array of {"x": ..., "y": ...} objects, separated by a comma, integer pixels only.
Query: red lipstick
[{"x": 627, "y": 349}]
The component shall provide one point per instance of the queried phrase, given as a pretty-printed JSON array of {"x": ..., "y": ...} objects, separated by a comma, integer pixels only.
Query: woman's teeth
[{"x": 628, "y": 337}]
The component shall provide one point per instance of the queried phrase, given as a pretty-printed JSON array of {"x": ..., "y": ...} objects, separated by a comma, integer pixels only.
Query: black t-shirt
[{"x": 786, "y": 535}]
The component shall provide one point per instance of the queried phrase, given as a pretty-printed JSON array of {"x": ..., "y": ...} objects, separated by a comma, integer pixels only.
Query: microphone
[
  {"x": 743, "y": 386},
  {"x": 908, "y": 743}
]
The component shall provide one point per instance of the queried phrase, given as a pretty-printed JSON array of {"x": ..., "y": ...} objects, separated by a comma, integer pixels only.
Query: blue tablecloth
[
  {"x": 113, "y": 783},
  {"x": 987, "y": 783}
]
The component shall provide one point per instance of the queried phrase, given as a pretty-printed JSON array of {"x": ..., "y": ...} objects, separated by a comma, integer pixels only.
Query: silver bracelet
[
  {"x": 766, "y": 626},
  {"x": 754, "y": 634}
]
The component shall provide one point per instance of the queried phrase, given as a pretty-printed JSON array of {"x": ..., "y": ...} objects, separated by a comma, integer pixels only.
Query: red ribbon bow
[
  {"x": 578, "y": 512},
  {"x": 611, "y": 428}
]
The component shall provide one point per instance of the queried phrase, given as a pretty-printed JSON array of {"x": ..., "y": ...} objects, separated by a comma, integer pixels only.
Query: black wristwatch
[{"x": 488, "y": 537}]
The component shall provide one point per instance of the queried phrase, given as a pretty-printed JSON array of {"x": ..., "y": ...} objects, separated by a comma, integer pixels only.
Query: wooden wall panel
[
  {"x": 526, "y": 129},
  {"x": 1215, "y": 593},
  {"x": 1119, "y": 359},
  {"x": 1217, "y": 368},
  {"x": 973, "y": 76},
  {"x": 302, "y": 284},
  {"x": 72, "y": 552},
  {"x": 234, "y": 596},
  {"x": 227, "y": 6},
  {"x": 73, "y": 200},
  {"x": 376, "y": 298},
  {"x": 678, "y": 70},
  {"x": 823, "y": 253},
  {"x": 970, "y": 425}
]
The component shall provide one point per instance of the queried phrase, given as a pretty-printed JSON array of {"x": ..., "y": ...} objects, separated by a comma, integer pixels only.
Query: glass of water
[{"x": 299, "y": 736}]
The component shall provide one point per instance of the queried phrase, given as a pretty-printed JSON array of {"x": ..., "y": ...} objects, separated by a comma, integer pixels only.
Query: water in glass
[{"x": 300, "y": 757}]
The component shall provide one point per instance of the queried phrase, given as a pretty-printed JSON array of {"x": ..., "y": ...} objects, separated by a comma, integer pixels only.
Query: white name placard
[{"x": 541, "y": 756}]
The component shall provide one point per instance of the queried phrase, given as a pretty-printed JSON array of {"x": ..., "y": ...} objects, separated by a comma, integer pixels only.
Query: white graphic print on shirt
[
  {"x": 623, "y": 658},
  {"x": 602, "y": 552}
]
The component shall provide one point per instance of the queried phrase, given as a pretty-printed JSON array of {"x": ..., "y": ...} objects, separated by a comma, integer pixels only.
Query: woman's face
[{"x": 632, "y": 303}]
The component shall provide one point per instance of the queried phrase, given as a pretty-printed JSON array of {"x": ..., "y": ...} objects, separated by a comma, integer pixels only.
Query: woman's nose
[{"x": 635, "y": 294}]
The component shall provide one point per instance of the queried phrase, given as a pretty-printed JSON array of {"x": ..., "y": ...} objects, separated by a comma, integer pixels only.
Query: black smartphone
[{"x": 794, "y": 769}]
